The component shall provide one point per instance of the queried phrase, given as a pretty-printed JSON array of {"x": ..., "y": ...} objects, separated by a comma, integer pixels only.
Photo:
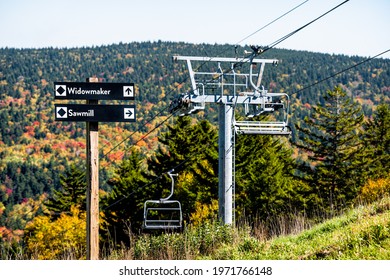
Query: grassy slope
[{"x": 362, "y": 233}]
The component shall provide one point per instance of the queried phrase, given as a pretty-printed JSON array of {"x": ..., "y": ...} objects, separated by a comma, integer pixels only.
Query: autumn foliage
[
  {"x": 375, "y": 189},
  {"x": 63, "y": 238}
]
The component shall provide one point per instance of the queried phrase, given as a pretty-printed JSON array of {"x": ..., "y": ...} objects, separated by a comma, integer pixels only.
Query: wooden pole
[{"x": 92, "y": 185}]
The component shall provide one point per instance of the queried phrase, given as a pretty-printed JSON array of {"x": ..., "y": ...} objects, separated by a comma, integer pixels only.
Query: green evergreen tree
[
  {"x": 377, "y": 139},
  {"x": 331, "y": 139},
  {"x": 123, "y": 207},
  {"x": 265, "y": 185},
  {"x": 72, "y": 192},
  {"x": 192, "y": 148}
]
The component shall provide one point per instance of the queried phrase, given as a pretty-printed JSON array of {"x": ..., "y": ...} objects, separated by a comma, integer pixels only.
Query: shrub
[
  {"x": 63, "y": 238},
  {"x": 374, "y": 189},
  {"x": 204, "y": 212}
]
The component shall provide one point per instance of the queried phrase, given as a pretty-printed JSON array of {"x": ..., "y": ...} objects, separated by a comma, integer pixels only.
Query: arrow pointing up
[{"x": 128, "y": 91}]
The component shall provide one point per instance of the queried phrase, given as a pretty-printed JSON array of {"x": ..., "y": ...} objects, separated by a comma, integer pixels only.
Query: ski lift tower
[{"x": 228, "y": 85}]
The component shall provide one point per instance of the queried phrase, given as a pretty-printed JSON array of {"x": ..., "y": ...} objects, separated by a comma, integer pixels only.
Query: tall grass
[
  {"x": 193, "y": 242},
  {"x": 361, "y": 233},
  {"x": 205, "y": 240}
]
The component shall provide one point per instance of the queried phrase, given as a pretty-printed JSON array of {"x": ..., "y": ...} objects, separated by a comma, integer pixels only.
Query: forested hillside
[{"x": 35, "y": 150}]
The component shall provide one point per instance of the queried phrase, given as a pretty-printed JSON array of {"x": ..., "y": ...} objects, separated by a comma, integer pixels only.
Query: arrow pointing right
[{"x": 129, "y": 113}]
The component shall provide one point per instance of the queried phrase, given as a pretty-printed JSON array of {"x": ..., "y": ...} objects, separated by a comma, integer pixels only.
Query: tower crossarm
[
  {"x": 224, "y": 59},
  {"x": 190, "y": 103},
  {"x": 226, "y": 74},
  {"x": 227, "y": 82}
]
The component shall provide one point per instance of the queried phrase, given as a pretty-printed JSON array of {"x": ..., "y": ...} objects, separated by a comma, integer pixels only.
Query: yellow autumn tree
[
  {"x": 204, "y": 212},
  {"x": 375, "y": 189},
  {"x": 64, "y": 238}
]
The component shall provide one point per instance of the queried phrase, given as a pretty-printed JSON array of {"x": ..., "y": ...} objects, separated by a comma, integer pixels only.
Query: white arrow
[
  {"x": 128, "y": 113},
  {"x": 128, "y": 91}
]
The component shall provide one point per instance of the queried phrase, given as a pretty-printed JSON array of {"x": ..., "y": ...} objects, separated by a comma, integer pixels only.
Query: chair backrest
[{"x": 162, "y": 214}]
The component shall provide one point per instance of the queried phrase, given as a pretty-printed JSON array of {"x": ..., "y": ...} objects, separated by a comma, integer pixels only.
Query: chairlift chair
[
  {"x": 277, "y": 127},
  {"x": 163, "y": 213},
  {"x": 261, "y": 128},
  {"x": 266, "y": 105}
]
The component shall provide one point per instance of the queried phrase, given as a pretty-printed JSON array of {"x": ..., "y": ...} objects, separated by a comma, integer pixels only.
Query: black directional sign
[
  {"x": 94, "y": 91},
  {"x": 94, "y": 113}
]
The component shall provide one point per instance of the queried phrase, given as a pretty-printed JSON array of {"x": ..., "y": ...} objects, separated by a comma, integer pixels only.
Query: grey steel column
[{"x": 225, "y": 174}]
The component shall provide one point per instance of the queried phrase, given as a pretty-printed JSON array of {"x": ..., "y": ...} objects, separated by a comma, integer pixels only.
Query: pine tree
[
  {"x": 377, "y": 138},
  {"x": 331, "y": 139},
  {"x": 123, "y": 207},
  {"x": 265, "y": 185},
  {"x": 72, "y": 192},
  {"x": 191, "y": 148}
]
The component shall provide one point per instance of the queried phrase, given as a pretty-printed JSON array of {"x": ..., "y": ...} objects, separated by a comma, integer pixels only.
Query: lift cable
[
  {"x": 277, "y": 42},
  {"x": 256, "y": 52},
  {"x": 149, "y": 183},
  {"x": 142, "y": 138},
  {"x": 342, "y": 71},
  {"x": 188, "y": 159},
  {"x": 268, "y": 24},
  {"x": 185, "y": 79}
]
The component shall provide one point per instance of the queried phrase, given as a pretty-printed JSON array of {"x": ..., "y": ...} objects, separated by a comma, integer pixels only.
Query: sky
[{"x": 359, "y": 27}]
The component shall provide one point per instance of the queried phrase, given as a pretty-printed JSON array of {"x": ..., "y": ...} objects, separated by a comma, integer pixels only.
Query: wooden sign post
[
  {"x": 92, "y": 185},
  {"x": 92, "y": 113}
]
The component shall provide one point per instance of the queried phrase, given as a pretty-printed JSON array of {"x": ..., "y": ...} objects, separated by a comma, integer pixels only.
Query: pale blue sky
[{"x": 359, "y": 27}]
